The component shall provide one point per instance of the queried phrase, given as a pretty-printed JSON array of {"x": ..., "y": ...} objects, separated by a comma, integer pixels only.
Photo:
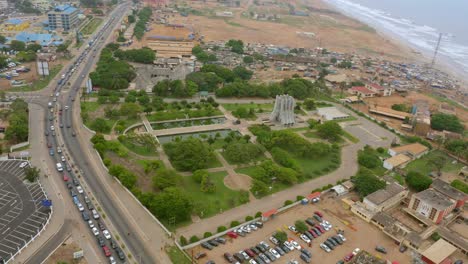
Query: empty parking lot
[{"x": 22, "y": 214}]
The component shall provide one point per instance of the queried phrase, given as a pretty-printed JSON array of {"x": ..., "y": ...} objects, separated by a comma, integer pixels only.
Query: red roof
[
  {"x": 376, "y": 86},
  {"x": 362, "y": 89},
  {"x": 270, "y": 213},
  {"x": 313, "y": 195}
]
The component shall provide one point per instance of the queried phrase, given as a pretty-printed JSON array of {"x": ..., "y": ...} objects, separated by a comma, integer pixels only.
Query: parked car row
[{"x": 332, "y": 242}]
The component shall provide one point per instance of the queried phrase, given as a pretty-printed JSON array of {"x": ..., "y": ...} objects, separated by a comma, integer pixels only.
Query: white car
[
  {"x": 295, "y": 244},
  {"x": 253, "y": 227},
  {"x": 342, "y": 237},
  {"x": 326, "y": 227},
  {"x": 305, "y": 238},
  {"x": 95, "y": 214},
  {"x": 324, "y": 247},
  {"x": 274, "y": 240},
  {"x": 112, "y": 260},
  {"x": 292, "y": 228},
  {"x": 63, "y": 76},
  {"x": 66, "y": 107},
  {"x": 288, "y": 245},
  {"x": 52, "y": 128},
  {"x": 80, "y": 207},
  {"x": 275, "y": 253},
  {"x": 95, "y": 231},
  {"x": 91, "y": 224},
  {"x": 356, "y": 251},
  {"x": 244, "y": 255},
  {"x": 63, "y": 158},
  {"x": 253, "y": 261},
  {"x": 59, "y": 150},
  {"x": 23, "y": 164},
  {"x": 106, "y": 234},
  {"x": 265, "y": 244},
  {"x": 57, "y": 94},
  {"x": 79, "y": 189},
  {"x": 246, "y": 229}
]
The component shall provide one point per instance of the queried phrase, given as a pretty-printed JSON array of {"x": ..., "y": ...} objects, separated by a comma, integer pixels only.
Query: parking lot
[
  {"x": 357, "y": 232},
  {"x": 22, "y": 214}
]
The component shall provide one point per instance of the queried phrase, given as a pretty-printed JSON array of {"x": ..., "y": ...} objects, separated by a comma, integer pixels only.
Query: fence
[{"x": 19, "y": 145}]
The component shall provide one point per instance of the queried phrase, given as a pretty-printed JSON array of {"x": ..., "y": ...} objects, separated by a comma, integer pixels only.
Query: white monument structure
[{"x": 283, "y": 111}]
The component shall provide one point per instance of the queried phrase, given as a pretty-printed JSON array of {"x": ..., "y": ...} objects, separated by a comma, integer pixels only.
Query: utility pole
[{"x": 436, "y": 50}]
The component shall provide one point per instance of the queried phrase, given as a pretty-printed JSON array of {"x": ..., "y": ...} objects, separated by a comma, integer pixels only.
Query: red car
[
  {"x": 250, "y": 253},
  {"x": 319, "y": 227},
  {"x": 313, "y": 233},
  {"x": 106, "y": 251},
  {"x": 232, "y": 234},
  {"x": 348, "y": 257},
  {"x": 318, "y": 213},
  {"x": 65, "y": 177}
]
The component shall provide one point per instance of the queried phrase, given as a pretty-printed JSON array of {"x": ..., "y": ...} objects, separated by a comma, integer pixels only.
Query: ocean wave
[{"x": 421, "y": 37}]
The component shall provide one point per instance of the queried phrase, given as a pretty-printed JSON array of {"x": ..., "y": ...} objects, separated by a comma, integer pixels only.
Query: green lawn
[
  {"x": 177, "y": 256},
  {"x": 89, "y": 106},
  {"x": 312, "y": 134},
  {"x": 91, "y": 26},
  {"x": 399, "y": 179},
  {"x": 208, "y": 204},
  {"x": 178, "y": 114},
  {"x": 422, "y": 166},
  {"x": 313, "y": 168},
  {"x": 214, "y": 163},
  {"x": 39, "y": 84}
]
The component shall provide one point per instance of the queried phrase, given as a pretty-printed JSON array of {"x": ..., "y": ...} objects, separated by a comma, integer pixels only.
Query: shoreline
[{"x": 419, "y": 56}]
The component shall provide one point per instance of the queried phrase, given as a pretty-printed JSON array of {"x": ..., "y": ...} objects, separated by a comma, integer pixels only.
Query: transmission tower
[{"x": 436, "y": 51}]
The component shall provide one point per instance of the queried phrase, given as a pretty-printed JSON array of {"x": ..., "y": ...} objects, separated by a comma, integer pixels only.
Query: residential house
[
  {"x": 361, "y": 91},
  {"x": 379, "y": 90}
]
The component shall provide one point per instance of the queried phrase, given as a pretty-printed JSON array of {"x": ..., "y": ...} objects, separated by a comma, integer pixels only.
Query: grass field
[
  {"x": 177, "y": 256},
  {"x": 176, "y": 114},
  {"x": 208, "y": 204},
  {"x": 257, "y": 107},
  {"x": 91, "y": 26},
  {"x": 423, "y": 166},
  {"x": 147, "y": 150},
  {"x": 258, "y": 159},
  {"x": 39, "y": 84},
  {"x": 251, "y": 171}
]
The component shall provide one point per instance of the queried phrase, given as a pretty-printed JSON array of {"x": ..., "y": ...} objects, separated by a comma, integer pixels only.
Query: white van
[{"x": 59, "y": 167}]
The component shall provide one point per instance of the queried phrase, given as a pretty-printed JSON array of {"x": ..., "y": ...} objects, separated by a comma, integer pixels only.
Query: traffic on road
[{"x": 57, "y": 123}]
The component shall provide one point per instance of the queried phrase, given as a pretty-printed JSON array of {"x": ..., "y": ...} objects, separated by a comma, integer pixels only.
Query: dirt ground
[
  {"x": 357, "y": 232},
  {"x": 238, "y": 181},
  {"x": 65, "y": 254},
  {"x": 332, "y": 30},
  {"x": 27, "y": 77},
  {"x": 412, "y": 97},
  {"x": 161, "y": 30}
]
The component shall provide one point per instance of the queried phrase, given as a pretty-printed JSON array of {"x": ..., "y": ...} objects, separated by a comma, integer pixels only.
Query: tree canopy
[
  {"x": 417, "y": 181},
  {"x": 330, "y": 130},
  {"x": 143, "y": 55},
  {"x": 18, "y": 120},
  {"x": 175, "y": 88},
  {"x": 140, "y": 27},
  {"x": 366, "y": 182},
  {"x": 189, "y": 154},
  {"x": 240, "y": 151},
  {"x": 236, "y": 46},
  {"x": 441, "y": 121}
]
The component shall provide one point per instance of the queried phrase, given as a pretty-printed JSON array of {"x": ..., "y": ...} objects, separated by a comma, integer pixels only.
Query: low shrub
[
  {"x": 207, "y": 234},
  {"x": 194, "y": 239},
  {"x": 235, "y": 223},
  {"x": 221, "y": 229},
  {"x": 287, "y": 202}
]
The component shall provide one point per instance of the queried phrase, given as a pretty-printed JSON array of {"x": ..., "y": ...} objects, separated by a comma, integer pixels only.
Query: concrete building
[
  {"x": 168, "y": 47},
  {"x": 331, "y": 113},
  {"x": 438, "y": 253},
  {"x": 388, "y": 112},
  {"x": 414, "y": 150},
  {"x": 397, "y": 161},
  {"x": 283, "y": 111},
  {"x": 15, "y": 24},
  {"x": 379, "y": 201},
  {"x": 43, "y": 5},
  {"x": 431, "y": 205},
  {"x": 452, "y": 193},
  {"x": 421, "y": 118},
  {"x": 44, "y": 40},
  {"x": 63, "y": 17}
]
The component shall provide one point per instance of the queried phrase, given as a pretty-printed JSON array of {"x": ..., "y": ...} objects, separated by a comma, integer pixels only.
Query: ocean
[{"x": 418, "y": 24}]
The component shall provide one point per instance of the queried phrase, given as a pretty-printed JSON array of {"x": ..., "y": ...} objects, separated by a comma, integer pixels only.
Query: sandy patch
[{"x": 238, "y": 181}]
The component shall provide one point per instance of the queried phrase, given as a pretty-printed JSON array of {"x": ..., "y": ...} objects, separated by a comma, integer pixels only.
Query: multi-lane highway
[
  {"x": 65, "y": 128},
  {"x": 88, "y": 59}
]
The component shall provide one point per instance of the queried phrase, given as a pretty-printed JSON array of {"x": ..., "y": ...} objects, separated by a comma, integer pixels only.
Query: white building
[
  {"x": 331, "y": 113},
  {"x": 3, "y": 4}
]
